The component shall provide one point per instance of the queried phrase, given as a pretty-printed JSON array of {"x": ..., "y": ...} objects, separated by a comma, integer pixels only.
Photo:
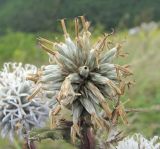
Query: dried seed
[
  {"x": 110, "y": 55},
  {"x": 99, "y": 79},
  {"x": 77, "y": 109},
  {"x": 87, "y": 104},
  {"x": 100, "y": 97},
  {"x": 91, "y": 59}
]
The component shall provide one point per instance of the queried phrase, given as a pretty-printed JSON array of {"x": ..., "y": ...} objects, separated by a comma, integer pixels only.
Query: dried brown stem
[
  {"x": 47, "y": 49},
  {"x": 76, "y": 27},
  {"x": 64, "y": 27},
  {"x": 83, "y": 22},
  {"x": 35, "y": 92},
  {"x": 28, "y": 144},
  {"x": 88, "y": 141},
  {"x": 143, "y": 110}
]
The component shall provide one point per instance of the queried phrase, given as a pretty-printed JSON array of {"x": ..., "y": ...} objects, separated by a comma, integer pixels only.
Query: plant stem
[
  {"x": 88, "y": 139},
  {"x": 29, "y": 144}
]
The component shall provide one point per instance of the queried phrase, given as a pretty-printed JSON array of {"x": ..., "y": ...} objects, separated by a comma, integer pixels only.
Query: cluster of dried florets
[
  {"x": 17, "y": 114},
  {"x": 83, "y": 77}
]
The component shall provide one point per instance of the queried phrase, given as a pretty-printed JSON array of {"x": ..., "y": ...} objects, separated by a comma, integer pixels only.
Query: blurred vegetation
[
  {"x": 144, "y": 58},
  {"x": 43, "y": 15},
  {"x": 21, "y": 22}
]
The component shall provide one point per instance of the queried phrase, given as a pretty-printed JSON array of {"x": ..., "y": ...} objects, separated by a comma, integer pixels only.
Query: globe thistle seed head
[
  {"x": 17, "y": 113},
  {"x": 137, "y": 141},
  {"x": 84, "y": 76}
]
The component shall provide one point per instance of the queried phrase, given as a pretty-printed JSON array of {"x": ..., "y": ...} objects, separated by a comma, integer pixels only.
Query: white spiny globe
[
  {"x": 137, "y": 141},
  {"x": 17, "y": 113}
]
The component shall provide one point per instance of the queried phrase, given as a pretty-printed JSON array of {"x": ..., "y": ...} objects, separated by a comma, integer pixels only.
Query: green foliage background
[
  {"x": 21, "y": 22},
  {"x": 36, "y": 15}
]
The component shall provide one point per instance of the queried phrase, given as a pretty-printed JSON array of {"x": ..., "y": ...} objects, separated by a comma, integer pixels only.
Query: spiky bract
[{"x": 17, "y": 113}]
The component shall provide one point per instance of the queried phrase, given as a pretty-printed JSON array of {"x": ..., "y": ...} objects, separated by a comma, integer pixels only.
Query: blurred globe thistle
[
  {"x": 137, "y": 141},
  {"x": 116, "y": 140},
  {"x": 17, "y": 113},
  {"x": 83, "y": 78}
]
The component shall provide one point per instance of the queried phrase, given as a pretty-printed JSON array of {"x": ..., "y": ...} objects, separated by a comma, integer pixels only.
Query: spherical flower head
[
  {"x": 137, "y": 141},
  {"x": 17, "y": 113},
  {"x": 83, "y": 77}
]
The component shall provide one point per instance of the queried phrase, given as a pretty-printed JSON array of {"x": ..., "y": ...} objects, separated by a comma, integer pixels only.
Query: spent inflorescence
[{"x": 83, "y": 78}]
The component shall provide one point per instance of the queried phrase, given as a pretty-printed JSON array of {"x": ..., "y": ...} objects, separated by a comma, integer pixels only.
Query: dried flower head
[
  {"x": 83, "y": 77},
  {"x": 17, "y": 113}
]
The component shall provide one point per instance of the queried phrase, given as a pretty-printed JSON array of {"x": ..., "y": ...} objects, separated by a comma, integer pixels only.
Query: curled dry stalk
[{"x": 85, "y": 80}]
